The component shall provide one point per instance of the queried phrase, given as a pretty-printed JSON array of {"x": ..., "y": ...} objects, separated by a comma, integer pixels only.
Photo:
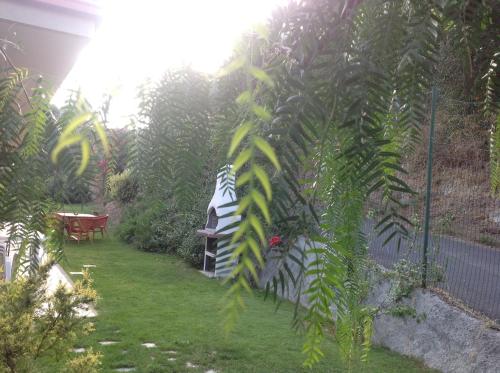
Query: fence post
[{"x": 428, "y": 188}]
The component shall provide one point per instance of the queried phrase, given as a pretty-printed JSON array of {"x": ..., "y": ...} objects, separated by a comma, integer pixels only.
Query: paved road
[{"x": 471, "y": 270}]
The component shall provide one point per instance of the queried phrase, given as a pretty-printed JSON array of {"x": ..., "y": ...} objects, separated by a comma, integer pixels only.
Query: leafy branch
[{"x": 252, "y": 148}]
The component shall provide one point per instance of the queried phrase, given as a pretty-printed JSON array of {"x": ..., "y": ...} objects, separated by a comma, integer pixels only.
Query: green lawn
[{"x": 157, "y": 298}]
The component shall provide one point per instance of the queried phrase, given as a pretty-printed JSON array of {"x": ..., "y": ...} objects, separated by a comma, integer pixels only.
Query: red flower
[{"x": 274, "y": 241}]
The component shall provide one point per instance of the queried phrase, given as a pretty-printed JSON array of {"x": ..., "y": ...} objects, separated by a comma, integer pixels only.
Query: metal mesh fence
[{"x": 464, "y": 222}]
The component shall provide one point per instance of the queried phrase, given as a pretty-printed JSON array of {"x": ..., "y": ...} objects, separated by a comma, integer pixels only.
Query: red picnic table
[{"x": 80, "y": 226}]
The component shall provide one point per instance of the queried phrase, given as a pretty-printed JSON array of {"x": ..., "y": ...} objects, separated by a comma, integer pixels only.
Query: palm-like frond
[
  {"x": 173, "y": 136},
  {"x": 28, "y": 134},
  {"x": 350, "y": 92}
]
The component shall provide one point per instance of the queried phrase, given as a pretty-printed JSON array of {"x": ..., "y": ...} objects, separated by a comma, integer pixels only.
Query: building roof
[
  {"x": 90, "y": 8},
  {"x": 48, "y": 35}
]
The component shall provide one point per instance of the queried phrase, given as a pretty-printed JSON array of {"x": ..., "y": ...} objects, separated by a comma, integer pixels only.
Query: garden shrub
[
  {"x": 192, "y": 249},
  {"x": 89, "y": 362},
  {"x": 180, "y": 145},
  {"x": 406, "y": 277},
  {"x": 27, "y": 335},
  {"x": 137, "y": 227},
  {"x": 123, "y": 187},
  {"x": 156, "y": 226}
]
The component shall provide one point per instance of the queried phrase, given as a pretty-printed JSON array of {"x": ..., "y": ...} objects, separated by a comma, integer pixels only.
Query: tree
[
  {"x": 335, "y": 94},
  {"x": 33, "y": 323},
  {"x": 176, "y": 126},
  {"x": 30, "y": 138}
]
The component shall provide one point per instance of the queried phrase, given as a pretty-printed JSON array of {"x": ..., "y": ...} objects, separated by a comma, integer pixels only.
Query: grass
[{"x": 148, "y": 297}]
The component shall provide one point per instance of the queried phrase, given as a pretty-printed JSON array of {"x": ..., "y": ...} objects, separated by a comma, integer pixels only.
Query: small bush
[
  {"x": 89, "y": 362},
  {"x": 158, "y": 227},
  {"x": 28, "y": 335},
  {"x": 123, "y": 187},
  {"x": 191, "y": 248},
  {"x": 137, "y": 226},
  {"x": 407, "y": 276}
]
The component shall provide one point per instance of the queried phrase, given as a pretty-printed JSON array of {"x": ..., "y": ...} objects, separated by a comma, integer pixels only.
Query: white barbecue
[{"x": 220, "y": 224}]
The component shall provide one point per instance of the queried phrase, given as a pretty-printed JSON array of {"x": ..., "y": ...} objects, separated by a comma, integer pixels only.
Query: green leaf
[
  {"x": 245, "y": 98},
  {"x": 241, "y": 159},
  {"x": 264, "y": 180},
  {"x": 64, "y": 143},
  {"x": 244, "y": 178},
  {"x": 246, "y": 286},
  {"x": 257, "y": 226},
  {"x": 85, "y": 145},
  {"x": 74, "y": 124},
  {"x": 233, "y": 66},
  {"x": 265, "y": 148},
  {"x": 261, "y": 75},
  {"x": 261, "y": 202},
  {"x": 240, "y": 133},
  {"x": 102, "y": 136},
  {"x": 243, "y": 204},
  {"x": 254, "y": 246},
  {"x": 261, "y": 112},
  {"x": 251, "y": 268},
  {"x": 239, "y": 250},
  {"x": 242, "y": 229}
]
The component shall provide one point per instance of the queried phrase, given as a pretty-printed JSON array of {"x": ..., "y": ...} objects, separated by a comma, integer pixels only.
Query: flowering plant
[{"x": 274, "y": 241}]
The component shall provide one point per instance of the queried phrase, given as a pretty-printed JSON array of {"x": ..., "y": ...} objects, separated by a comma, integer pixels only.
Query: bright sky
[{"x": 138, "y": 39}]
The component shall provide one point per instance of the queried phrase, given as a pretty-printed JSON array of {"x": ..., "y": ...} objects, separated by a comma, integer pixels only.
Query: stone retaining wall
[{"x": 444, "y": 337}]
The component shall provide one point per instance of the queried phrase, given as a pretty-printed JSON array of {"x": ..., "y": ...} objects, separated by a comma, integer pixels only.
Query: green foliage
[
  {"x": 155, "y": 226},
  {"x": 346, "y": 140},
  {"x": 62, "y": 188},
  {"x": 35, "y": 324},
  {"x": 123, "y": 187},
  {"x": 30, "y": 131},
  {"x": 177, "y": 153},
  {"x": 470, "y": 44},
  {"x": 81, "y": 125},
  {"x": 320, "y": 107},
  {"x": 68, "y": 182},
  {"x": 254, "y": 206},
  {"x": 117, "y": 161},
  {"x": 23, "y": 161},
  {"x": 406, "y": 277},
  {"x": 89, "y": 362},
  {"x": 339, "y": 93},
  {"x": 136, "y": 226},
  {"x": 32, "y": 323},
  {"x": 404, "y": 311},
  {"x": 471, "y": 32},
  {"x": 120, "y": 148},
  {"x": 192, "y": 248},
  {"x": 173, "y": 143},
  {"x": 495, "y": 157}
]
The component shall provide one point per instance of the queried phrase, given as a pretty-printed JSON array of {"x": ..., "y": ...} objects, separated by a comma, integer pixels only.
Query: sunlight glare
[{"x": 141, "y": 39}]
